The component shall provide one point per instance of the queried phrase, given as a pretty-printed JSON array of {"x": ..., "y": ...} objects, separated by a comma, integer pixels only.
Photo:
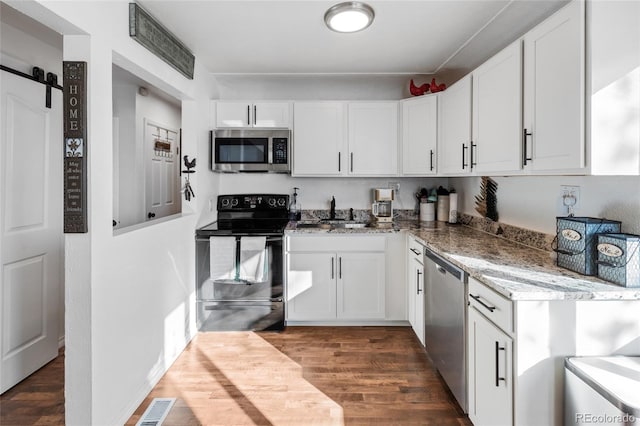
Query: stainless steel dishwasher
[{"x": 445, "y": 322}]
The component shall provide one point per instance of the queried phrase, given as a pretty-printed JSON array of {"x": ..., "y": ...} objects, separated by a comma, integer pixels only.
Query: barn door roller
[{"x": 37, "y": 75}]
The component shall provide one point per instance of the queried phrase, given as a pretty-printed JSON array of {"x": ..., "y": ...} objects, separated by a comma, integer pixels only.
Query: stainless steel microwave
[{"x": 248, "y": 150}]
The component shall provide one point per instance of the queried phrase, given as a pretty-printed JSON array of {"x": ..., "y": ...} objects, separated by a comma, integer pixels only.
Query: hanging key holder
[{"x": 188, "y": 191}]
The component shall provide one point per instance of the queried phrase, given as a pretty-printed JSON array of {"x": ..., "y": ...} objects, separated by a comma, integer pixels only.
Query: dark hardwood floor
[
  {"x": 37, "y": 400},
  {"x": 305, "y": 376}
]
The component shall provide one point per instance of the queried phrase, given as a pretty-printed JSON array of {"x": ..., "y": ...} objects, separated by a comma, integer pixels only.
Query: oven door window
[{"x": 242, "y": 150}]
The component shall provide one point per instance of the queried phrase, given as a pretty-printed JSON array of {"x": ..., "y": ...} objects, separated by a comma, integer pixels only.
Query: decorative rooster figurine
[
  {"x": 437, "y": 87},
  {"x": 417, "y": 91}
]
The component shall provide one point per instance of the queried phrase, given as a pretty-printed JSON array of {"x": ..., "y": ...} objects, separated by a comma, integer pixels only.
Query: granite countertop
[{"x": 514, "y": 270}]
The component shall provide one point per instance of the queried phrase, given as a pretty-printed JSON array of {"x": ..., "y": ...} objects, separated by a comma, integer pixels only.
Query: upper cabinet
[
  {"x": 252, "y": 114},
  {"x": 615, "y": 87},
  {"x": 420, "y": 135},
  {"x": 345, "y": 139},
  {"x": 554, "y": 92},
  {"x": 319, "y": 133},
  {"x": 454, "y": 128},
  {"x": 373, "y": 138},
  {"x": 497, "y": 112}
]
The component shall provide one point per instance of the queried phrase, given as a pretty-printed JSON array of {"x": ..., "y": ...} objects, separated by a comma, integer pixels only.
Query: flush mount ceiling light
[{"x": 349, "y": 17}]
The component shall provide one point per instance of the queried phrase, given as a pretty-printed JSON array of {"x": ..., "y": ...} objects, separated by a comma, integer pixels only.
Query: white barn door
[
  {"x": 31, "y": 236},
  {"x": 162, "y": 159}
]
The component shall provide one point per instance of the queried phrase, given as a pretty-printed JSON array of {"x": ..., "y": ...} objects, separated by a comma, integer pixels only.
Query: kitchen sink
[
  {"x": 314, "y": 225},
  {"x": 331, "y": 224}
]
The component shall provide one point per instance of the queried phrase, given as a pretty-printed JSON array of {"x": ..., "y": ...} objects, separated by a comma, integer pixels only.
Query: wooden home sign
[{"x": 75, "y": 146}]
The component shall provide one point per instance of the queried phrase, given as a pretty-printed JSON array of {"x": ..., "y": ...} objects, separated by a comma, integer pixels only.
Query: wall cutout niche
[{"x": 146, "y": 157}]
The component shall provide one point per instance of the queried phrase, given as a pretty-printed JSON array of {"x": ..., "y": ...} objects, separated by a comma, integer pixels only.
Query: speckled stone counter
[{"x": 514, "y": 270}]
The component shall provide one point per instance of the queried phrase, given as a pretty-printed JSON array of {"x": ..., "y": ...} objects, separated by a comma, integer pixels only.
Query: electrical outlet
[
  {"x": 570, "y": 198},
  {"x": 395, "y": 186}
]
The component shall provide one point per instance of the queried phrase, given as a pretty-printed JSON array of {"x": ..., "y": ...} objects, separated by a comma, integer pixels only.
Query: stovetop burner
[{"x": 249, "y": 214}]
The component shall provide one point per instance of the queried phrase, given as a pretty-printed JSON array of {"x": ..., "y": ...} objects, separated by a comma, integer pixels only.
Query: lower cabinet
[
  {"x": 490, "y": 372},
  {"x": 334, "y": 278},
  {"x": 489, "y": 356},
  {"x": 415, "y": 287}
]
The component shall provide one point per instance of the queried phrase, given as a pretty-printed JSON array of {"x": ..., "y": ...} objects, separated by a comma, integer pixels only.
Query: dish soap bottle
[{"x": 295, "y": 210}]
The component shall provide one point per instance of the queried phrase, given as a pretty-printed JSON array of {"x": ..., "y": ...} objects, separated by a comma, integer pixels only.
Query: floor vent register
[{"x": 156, "y": 412}]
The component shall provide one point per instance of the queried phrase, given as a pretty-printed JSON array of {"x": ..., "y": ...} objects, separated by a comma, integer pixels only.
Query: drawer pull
[
  {"x": 477, "y": 299},
  {"x": 498, "y": 378},
  {"x": 415, "y": 251}
]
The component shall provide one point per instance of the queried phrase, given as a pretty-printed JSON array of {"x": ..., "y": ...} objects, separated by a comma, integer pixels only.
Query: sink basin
[
  {"x": 314, "y": 225},
  {"x": 350, "y": 225},
  {"x": 331, "y": 224}
]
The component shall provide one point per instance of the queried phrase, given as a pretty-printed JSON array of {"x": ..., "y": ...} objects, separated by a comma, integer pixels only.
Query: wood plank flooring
[
  {"x": 303, "y": 376},
  {"x": 37, "y": 400},
  {"x": 306, "y": 376}
]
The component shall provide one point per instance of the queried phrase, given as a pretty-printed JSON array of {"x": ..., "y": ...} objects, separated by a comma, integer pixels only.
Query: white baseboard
[
  {"x": 61, "y": 342},
  {"x": 351, "y": 323}
]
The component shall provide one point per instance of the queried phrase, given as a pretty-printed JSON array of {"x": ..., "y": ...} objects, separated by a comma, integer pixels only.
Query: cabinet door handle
[
  {"x": 464, "y": 148},
  {"x": 333, "y": 269},
  {"x": 472, "y": 163},
  {"x": 255, "y": 115},
  {"x": 339, "y": 161},
  {"x": 418, "y": 273},
  {"x": 340, "y": 267},
  {"x": 352, "y": 162},
  {"x": 248, "y": 115},
  {"x": 525, "y": 158},
  {"x": 498, "y": 378},
  {"x": 431, "y": 160},
  {"x": 477, "y": 299},
  {"x": 415, "y": 251}
]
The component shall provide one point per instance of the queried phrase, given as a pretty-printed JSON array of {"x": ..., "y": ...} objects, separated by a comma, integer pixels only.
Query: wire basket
[
  {"x": 577, "y": 239},
  {"x": 619, "y": 259}
]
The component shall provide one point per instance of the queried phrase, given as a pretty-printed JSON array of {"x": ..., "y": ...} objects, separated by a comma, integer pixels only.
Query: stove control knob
[
  {"x": 225, "y": 202},
  {"x": 281, "y": 202},
  {"x": 234, "y": 202},
  {"x": 272, "y": 202}
]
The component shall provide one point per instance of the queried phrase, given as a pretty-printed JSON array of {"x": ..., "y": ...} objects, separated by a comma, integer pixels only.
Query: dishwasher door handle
[
  {"x": 441, "y": 270},
  {"x": 477, "y": 299}
]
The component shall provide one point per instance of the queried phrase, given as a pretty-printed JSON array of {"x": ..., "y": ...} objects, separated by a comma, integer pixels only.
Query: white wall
[
  {"x": 533, "y": 202},
  {"x": 315, "y": 193},
  {"x": 316, "y": 87},
  {"x": 127, "y": 296}
]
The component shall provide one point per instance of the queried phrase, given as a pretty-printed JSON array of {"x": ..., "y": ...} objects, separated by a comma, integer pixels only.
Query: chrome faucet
[{"x": 332, "y": 212}]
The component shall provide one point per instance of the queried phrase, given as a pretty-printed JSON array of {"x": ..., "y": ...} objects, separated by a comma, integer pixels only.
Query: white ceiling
[{"x": 289, "y": 37}]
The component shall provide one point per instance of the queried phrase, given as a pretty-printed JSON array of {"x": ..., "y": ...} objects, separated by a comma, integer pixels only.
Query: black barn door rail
[{"x": 37, "y": 75}]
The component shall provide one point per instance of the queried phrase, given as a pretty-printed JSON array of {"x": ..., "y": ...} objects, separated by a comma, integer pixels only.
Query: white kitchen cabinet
[
  {"x": 554, "y": 92},
  {"x": 415, "y": 278},
  {"x": 361, "y": 285},
  {"x": 319, "y": 131},
  {"x": 373, "y": 138},
  {"x": 454, "y": 128},
  {"x": 335, "y": 278},
  {"x": 311, "y": 286},
  {"x": 253, "y": 114},
  {"x": 420, "y": 135},
  {"x": 489, "y": 356},
  {"x": 490, "y": 378},
  {"x": 497, "y": 112}
]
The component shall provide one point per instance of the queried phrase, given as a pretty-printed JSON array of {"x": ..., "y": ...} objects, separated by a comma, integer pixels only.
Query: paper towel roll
[
  {"x": 453, "y": 207},
  {"x": 443, "y": 208},
  {"x": 427, "y": 212}
]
